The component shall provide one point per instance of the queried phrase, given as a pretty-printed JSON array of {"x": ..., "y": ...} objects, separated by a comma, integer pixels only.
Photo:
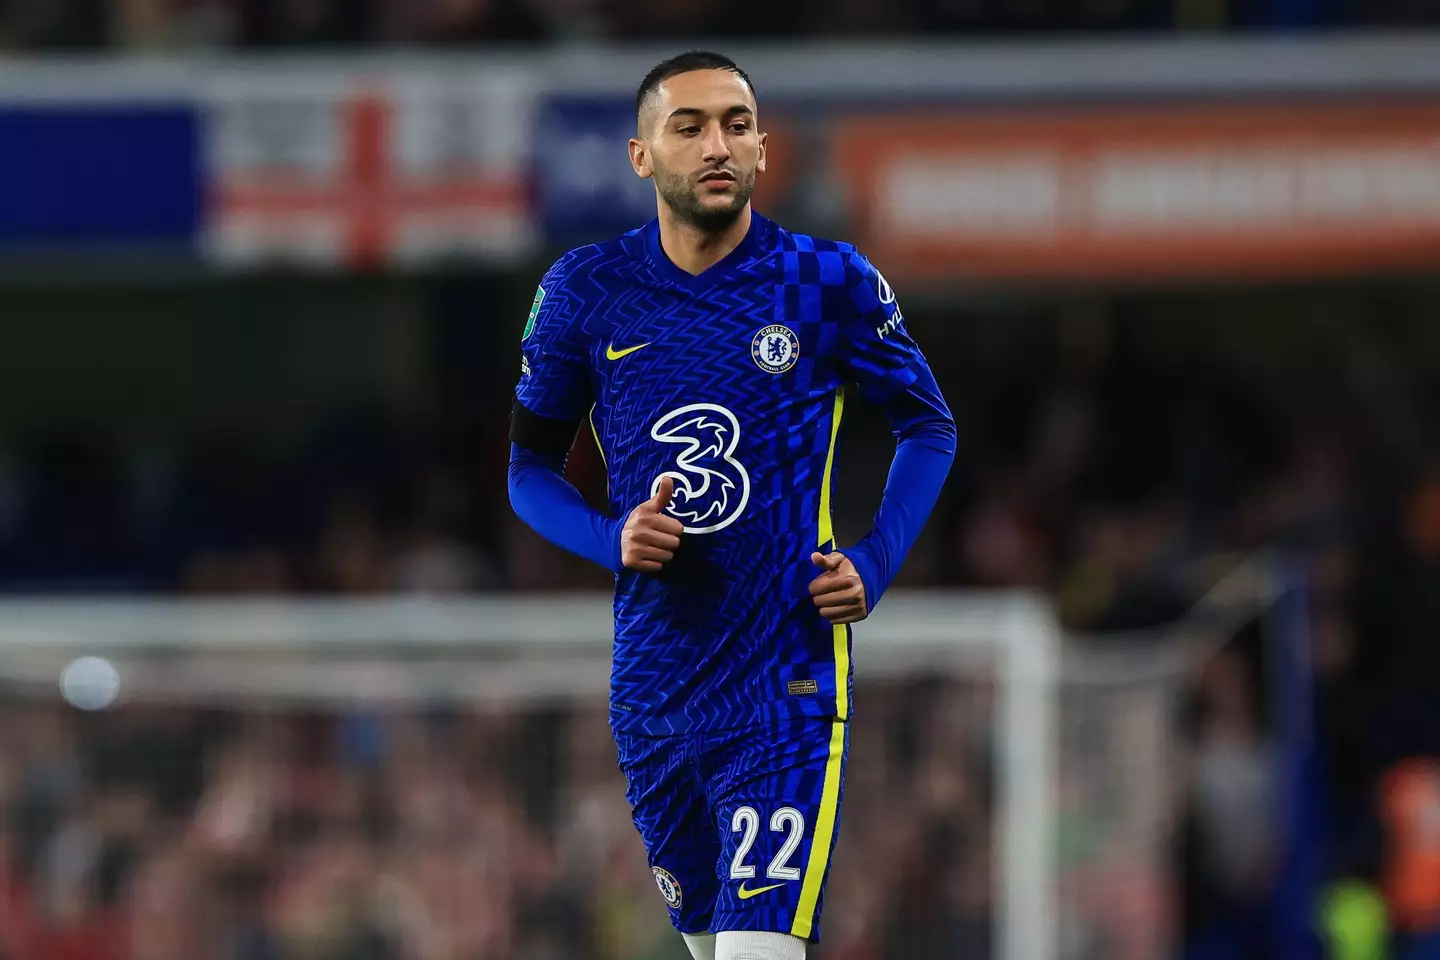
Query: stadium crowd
[
  {"x": 181, "y": 833},
  {"x": 175, "y": 25}
]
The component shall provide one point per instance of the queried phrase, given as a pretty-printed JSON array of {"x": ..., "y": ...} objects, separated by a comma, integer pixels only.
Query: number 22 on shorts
[{"x": 746, "y": 822}]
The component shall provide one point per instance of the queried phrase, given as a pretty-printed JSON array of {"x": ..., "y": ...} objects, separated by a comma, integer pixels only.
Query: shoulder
[
  {"x": 607, "y": 258},
  {"x": 580, "y": 263},
  {"x": 831, "y": 263},
  {"x": 852, "y": 285},
  {"x": 576, "y": 287}
]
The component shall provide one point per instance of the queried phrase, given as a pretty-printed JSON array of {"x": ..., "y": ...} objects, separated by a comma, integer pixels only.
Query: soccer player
[{"x": 709, "y": 350}]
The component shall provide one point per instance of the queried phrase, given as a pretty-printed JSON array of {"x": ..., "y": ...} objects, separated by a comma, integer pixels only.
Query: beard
[{"x": 682, "y": 196}]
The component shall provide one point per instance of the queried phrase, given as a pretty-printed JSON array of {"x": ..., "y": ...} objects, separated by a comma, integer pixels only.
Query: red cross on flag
[{"x": 359, "y": 172}]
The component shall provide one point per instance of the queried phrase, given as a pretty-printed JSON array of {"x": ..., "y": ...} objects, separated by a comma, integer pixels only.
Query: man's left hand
[{"x": 838, "y": 590}]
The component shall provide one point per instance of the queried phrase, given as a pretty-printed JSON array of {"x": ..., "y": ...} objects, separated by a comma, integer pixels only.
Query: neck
[{"x": 695, "y": 250}]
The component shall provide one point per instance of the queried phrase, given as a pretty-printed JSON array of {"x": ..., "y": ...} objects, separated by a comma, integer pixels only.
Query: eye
[
  {"x": 689, "y": 130},
  {"x": 739, "y": 127}
]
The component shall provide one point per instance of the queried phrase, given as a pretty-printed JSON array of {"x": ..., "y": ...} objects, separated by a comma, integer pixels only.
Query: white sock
[
  {"x": 753, "y": 945},
  {"x": 702, "y": 945}
]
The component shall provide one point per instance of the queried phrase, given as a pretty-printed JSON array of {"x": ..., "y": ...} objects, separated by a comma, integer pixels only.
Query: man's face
[{"x": 700, "y": 143}]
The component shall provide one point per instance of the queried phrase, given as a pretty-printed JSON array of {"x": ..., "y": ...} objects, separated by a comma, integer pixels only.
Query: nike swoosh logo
[
  {"x": 747, "y": 894},
  {"x": 612, "y": 354}
]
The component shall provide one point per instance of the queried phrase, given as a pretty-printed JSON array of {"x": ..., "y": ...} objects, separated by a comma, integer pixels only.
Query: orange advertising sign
[{"x": 1177, "y": 191}]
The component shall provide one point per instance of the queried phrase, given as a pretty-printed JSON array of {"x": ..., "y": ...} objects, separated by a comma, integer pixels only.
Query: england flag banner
[{"x": 368, "y": 169}]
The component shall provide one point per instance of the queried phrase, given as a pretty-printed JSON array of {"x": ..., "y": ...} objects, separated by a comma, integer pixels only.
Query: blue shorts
[{"x": 739, "y": 824}]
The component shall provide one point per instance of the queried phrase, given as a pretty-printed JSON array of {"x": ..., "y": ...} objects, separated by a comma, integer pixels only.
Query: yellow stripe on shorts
[{"x": 824, "y": 837}]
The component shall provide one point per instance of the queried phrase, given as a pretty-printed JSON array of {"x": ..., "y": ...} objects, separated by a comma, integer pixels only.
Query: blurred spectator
[
  {"x": 451, "y": 22},
  {"x": 1354, "y": 922},
  {"x": 284, "y": 23},
  {"x": 55, "y": 24},
  {"x": 176, "y": 24},
  {"x": 173, "y": 24},
  {"x": 1235, "y": 806},
  {"x": 1409, "y": 810}
]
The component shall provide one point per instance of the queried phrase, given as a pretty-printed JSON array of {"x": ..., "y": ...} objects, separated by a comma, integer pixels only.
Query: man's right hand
[{"x": 649, "y": 538}]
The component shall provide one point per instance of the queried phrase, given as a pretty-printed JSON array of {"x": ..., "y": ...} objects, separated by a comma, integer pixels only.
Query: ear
[
  {"x": 760, "y": 165},
  {"x": 640, "y": 158}
]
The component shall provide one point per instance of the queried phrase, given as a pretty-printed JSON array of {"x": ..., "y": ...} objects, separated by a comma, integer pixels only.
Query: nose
[{"x": 717, "y": 151}]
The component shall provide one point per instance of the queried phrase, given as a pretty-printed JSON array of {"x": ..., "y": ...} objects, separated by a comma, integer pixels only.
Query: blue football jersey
[{"x": 731, "y": 383}]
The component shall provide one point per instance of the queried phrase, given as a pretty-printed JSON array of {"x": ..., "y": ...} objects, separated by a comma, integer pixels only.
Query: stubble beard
[{"x": 683, "y": 199}]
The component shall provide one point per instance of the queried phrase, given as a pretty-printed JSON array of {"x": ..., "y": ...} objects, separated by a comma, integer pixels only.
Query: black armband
[{"x": 541, "y": 434}]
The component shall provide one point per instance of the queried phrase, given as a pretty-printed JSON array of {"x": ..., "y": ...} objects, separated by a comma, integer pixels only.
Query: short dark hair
[{"x": 687, "y": 62}]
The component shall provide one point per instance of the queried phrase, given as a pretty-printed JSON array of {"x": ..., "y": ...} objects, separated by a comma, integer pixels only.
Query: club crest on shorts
[
  {"x": 669, "y": 887},
  {"x": 775, "y": 348}
]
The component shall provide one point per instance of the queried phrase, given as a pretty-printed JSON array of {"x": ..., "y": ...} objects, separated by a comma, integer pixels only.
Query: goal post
[
  {"x": 1018, "y": 635},
  {"x": 521, "y": 651}
]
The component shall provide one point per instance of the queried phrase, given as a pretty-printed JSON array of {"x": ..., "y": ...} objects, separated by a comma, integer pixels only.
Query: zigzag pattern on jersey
[
  {"x": 722, "y": 596},
  {"x": 596, "y": 284},
  {"x": 716, "y": 637}
]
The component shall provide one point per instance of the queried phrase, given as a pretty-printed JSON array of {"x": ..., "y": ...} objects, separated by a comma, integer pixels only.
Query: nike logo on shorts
[{"x": 747, "y": 894}]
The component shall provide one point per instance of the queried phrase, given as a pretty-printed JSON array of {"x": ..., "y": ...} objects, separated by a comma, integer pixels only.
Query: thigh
[
  {"x": 669, "y": 809},
  {"x": 776, "y": 792}
]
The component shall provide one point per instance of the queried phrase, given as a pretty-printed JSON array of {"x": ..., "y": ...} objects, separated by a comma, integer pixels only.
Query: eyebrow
[{"x": 738, "y": 109}]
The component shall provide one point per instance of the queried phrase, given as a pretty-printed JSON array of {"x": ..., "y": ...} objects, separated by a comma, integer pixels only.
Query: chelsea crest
[
  {"x": 775, "y": 348},
  {"x": 669, "y": 887}
]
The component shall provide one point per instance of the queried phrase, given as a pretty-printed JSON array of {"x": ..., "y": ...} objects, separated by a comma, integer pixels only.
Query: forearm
[
  {"x": 553, "y": 508},
  {"x": 925, "y": 449}
]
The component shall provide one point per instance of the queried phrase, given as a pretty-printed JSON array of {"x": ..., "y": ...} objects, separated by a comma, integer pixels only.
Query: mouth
[{"x": 718, "y": 177}]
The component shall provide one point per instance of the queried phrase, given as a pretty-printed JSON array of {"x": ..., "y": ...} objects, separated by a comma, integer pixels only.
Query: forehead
[{"x": 713, "y": 91}]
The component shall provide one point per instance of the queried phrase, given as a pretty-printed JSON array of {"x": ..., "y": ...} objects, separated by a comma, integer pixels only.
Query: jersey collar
[{"x": 748, "y": 247}]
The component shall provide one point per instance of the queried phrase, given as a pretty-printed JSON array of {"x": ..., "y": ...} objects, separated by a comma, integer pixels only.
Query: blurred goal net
[{"x": 434, "y": 779}]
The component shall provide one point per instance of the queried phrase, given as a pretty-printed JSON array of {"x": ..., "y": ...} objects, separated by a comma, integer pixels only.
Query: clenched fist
[
  {"x": 838, "y": 591},
  {"x": 649, "y": 538}
]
